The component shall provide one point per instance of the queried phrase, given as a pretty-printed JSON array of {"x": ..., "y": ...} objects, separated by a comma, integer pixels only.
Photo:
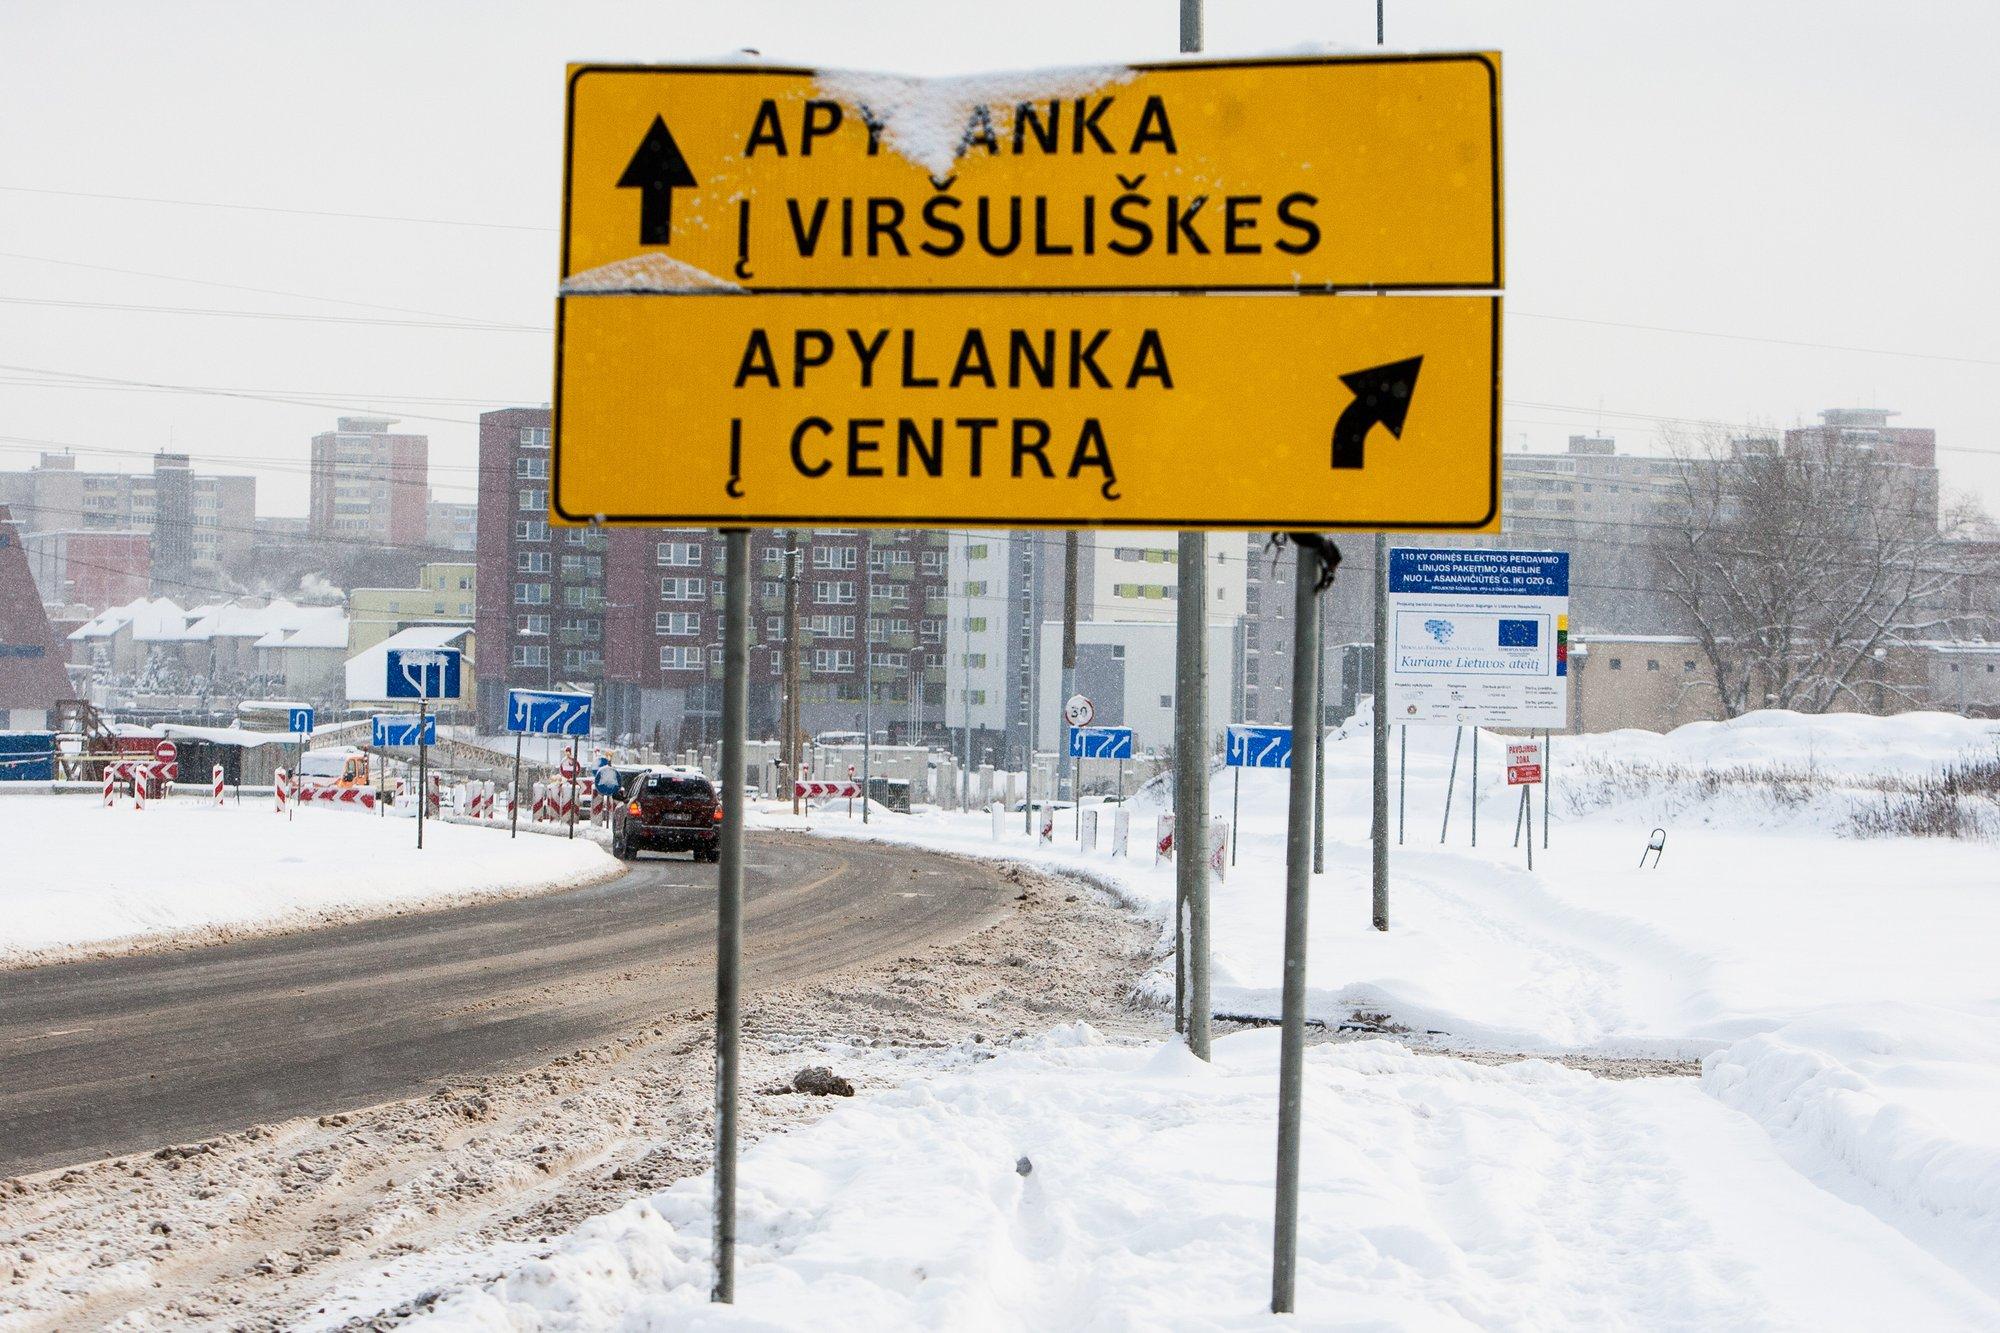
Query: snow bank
[
  {"x": 1437, "y": 1194},
  {"x": 925, "y": 120},
  {"x": 81, "y": 877},
  {"x": 1895, "y": 1107},
  {"x": 1752, "y": 920},
  {"x": 645, "y": 273}
]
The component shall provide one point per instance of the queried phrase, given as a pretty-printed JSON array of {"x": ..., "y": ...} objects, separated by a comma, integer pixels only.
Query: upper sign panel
[{"x": 1366, "y": 172}]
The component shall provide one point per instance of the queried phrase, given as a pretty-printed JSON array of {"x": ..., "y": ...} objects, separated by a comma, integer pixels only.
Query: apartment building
[{"x": 370, "y": 484}]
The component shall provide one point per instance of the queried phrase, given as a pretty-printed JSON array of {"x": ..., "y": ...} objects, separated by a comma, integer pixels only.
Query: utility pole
[
  {"x": 1298, "y": 891},
  {"x": 1068, "y": 655},
  {"x": 1029, "y": 542},
  {"x": 1191, "y": 743},
  {"x": 1380, "y": 832},
  {"x": 788, "y": 712},
  {"x": 729, "y": 901},
  {"x": 867, "y": 672},
  {"x": 1318, "y": 742}
]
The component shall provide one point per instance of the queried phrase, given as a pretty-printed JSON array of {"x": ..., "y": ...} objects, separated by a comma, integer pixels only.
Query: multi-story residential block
[
  {"x": 451, "y": 526},
  {"x": 444, "y": 595},
  {"x": 369, "y": 484},
  {"x": 195, "y": 524}
]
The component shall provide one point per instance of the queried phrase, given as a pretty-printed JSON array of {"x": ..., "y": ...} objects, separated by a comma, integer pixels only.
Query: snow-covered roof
[
  {"x": 368, "y": 670},
  {"x": 277, "y": 624},
  {"x": 308, "y": 627},
  {"x": 148, "y": 617},
  {"x": 228, "y": 735}
]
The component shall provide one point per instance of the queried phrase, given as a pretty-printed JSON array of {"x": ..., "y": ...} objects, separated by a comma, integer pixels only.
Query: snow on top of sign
[
  {"x": 925, "y": 119},
  {"x": 646, "y": 273}
]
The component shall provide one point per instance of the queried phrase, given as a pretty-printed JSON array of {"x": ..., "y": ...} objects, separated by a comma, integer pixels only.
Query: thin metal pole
[
  {"x": 1548, "y": 784},
  {"x": 1298, "y": 888},
  {"x": 514, "y": 793},
  {"x": 867, "y": 708},
  {"x": 1191, "y": 776},
  {"x": 1318, "y": 743},
  {"x": 1191, "y": 25},
  {"x": 1450, "y": 783},
  {"x": 1235, "y": 812},
  {"x": 1380, "y": 828},
  {"x": 1402, "y": 776},
  {"x": 1187, "y": 841},
  {"x": 729, "y": 898},
  {"x": 423, "y": 770},
  {"x": 1520, "y": 815},
  {"x": 1528, "y": 812},
  {"x": 1474, "y": 793}
]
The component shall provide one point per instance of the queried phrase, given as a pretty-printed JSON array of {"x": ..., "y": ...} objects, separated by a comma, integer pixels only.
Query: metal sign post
[
  {"x": 729, "y": 898},
  {"x": 1379, "y": 824},
  {"x": 1191, "y": 776},
  {"x": 423, "y": 757},
  {"x": 514, "y": 792},
  {"x": 1298, "y": 889}
]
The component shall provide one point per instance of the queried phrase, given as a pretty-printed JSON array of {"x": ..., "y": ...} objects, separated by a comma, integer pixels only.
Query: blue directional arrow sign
[
  {"x": 422, "y": 673},
  {"x": 400, "y": 729},
  {"x": 1100, "y": 742},
  {"x": 548, "y": 713},
  {"x": 299, "y": 720},
  {"x": 1259, "y": 747}
]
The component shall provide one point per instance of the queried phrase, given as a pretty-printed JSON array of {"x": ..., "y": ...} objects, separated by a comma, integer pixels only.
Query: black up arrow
[
  {"x": 656, "y": 171},
  {"x": 1381, "y": 396}
]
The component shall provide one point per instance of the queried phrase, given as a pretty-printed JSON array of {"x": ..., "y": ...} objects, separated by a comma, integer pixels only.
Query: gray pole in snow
[
  {"x": 423, "y": 756},
  {"x": 1381, "y": 776},
  {"x": 1548, "y": 785},
  {"x": 1318, "y": 742},
  {"x": 1298, "y": 889},
  {"x": 1474, "y": 793},
  {"x": 514, "y": 793},
  {"x": 1402, "y": 776},
  {"x": 1191, "y": 776},
  {"x": 1450, "y": 783},
  {"x": 729, "y": 898}
]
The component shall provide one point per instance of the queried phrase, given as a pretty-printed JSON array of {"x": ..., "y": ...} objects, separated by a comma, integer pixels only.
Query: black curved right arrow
[{"x": 1381, "y": 397}]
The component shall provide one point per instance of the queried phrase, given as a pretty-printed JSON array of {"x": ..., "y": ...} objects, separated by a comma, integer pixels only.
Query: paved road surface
[{"x": 114, "y": 1056}]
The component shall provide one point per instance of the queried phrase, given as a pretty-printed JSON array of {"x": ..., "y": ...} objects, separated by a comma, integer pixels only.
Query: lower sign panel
[{"x": 1222, "y": 411}]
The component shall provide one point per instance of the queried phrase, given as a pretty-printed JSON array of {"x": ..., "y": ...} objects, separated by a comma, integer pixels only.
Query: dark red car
[{"x": 668, "y": 810}]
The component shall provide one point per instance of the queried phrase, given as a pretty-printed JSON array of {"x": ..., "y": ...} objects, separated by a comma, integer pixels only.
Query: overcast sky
[{"x": 1810, "y": 191}]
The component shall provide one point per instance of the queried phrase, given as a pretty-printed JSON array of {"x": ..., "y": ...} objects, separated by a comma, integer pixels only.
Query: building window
[
  {"x": 837, "y": 592},
  {"x": 1652, "y": 664},
  {"x": 531, "y": 594},
  {"x": 932, "y": 562},
  {"x": 975, "y": 589},
  {"x": 531, "y": 530},
  {"x": 534, "y": 437},
  {"x": 831, "y": 627},
  {"x": 531, "y": 654},
  {"x": 930, "y": 630},
  {"x": 895, "y": 594},
  {"x": 1689, "y": 666},
  {"x": 676, "y": 657},
  {"x": 531, "y": 469},
  {"x": 681, "y": 623},
  {"x": 832, "y": 661},
  {"x": 678, "y": 555},
  {"x": 685, "y": 589},
  {"x": 975, "y": 624},
  {"x": 1166, "y": 701},
  {"x": 534, "y": 499},
  {"x": 536, "y": 625},
  {"x": 896, "y": 661},
  {"x": 531, "y": 562},
  {"x": 582, "y": 659},
  {"x": 1617, "y": 664},
  {"x": 975, "y": 660},
  {"x": 834, "y": 557}
]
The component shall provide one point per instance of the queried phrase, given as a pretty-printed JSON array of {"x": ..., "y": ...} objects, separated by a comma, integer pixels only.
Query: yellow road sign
[
  {"x": 1366, "y": 172},
  {"x": 1131, "y": 410}
]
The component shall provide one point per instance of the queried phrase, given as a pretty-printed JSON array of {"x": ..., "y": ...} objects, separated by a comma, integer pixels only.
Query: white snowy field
[
  {"x": 80, "y": 877},
  {"x": 1842, "y": 990},
  {"x": 1438, "y": 1194}
]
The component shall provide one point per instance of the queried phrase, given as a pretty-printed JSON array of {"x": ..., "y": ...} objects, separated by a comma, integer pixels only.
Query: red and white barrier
[
  {"x": 361, "y": 796},
  {"x": 110, "y": 787},
  {"x": 139, "y": 794},
  {"x": 539, "y": 809},
  {"x": 215, "y": 781},
  {"x": 280, "y": 788},
  {"x": 434, "y": 798},
  {"x": 821, "y": 787}
]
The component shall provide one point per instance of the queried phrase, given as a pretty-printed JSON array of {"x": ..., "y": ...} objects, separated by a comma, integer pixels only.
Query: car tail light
[
  {"x": 718, "y": 814},
  {"x": 632, "y": 809}
]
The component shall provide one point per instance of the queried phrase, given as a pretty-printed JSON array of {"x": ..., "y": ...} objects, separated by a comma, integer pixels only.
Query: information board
[{"x": 1479, "y": 637}]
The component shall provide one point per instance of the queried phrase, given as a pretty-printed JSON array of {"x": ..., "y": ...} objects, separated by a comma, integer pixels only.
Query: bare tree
[{"x": 1800, "y": 566}]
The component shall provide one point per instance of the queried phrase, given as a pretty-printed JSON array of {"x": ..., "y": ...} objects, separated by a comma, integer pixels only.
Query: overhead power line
[{"x": 270, "y": 208}]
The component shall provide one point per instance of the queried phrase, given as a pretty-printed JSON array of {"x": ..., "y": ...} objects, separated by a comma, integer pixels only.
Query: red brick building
[
  {"x": 369, "y": 484},
  {"x": 635, "y": 614}
]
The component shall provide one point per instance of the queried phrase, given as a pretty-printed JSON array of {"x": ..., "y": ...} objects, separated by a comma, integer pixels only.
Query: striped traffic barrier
[
  {"x": 139, "y": 792},
  {"x": 110, "y": 786},
  {"x": 215, "y": 780},
  {"x": 279, "y": 780}
]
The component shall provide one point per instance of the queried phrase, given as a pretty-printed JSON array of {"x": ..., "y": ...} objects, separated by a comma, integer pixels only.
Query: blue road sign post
[
  {"x": 423, "y": 673},
  {"x": 548, "y": 713},
  {"x": 1096, "y": 743},
  {"x": 299, "y": 721},
  {"x": 1251, "y": 746},
  {"x": 394, "y": 730}
]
